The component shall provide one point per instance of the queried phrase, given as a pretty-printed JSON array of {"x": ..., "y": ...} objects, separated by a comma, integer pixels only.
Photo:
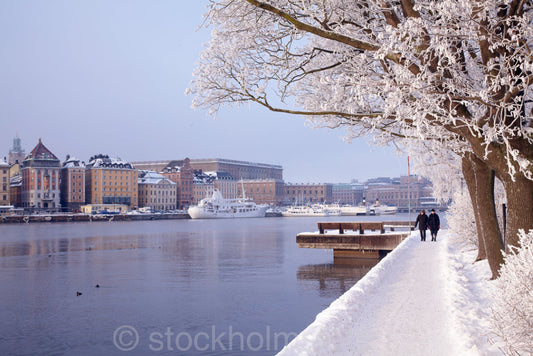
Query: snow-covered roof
[
  {"x": 73, "y": 162},
  {"x": 40, "y": 152},
  {"x": 3, "y": 162},
  {"x": 15, "y": 180},
  {"x": 104, "y": 161},
  {"x": 151, "y": 177}
]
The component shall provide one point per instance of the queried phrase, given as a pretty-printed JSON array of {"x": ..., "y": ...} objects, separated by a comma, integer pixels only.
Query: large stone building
[
  {"x": 40, "y": 179},
  {"x": 396, "y": 191},
  {"x": 227, "y": 172},
  {"x": 4, "y": 183},
  {"x": 16, "y": 153},
  {"x": 156, "y": 192},
  {"x": 308, "y": 193},
  {"x": 262, "y": 191},
  {"x": 111, "y": 181},
  {"x": 239, "y": 169},
  {"x": 72, "y": 184},
  {"x": 348, "y": 193}
]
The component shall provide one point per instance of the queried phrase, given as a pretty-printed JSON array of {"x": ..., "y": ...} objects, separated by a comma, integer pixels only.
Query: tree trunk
[
  {"x": 481, "y": 189},
  {"x": 519, "y": 196},
  {"x": 469, "y": 176}
]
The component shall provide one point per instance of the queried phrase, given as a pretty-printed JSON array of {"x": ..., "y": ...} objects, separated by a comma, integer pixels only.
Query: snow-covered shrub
[
  {"x": 461, "y": 219},
  {"x": 512, "y": 312}
]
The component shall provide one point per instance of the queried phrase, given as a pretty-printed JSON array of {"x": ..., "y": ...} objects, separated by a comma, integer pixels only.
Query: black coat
[
  {"x": 422, "y": 222},
  {"x": 434, "y": 222}
]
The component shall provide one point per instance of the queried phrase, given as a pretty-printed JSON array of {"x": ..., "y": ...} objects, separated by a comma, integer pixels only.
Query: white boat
[
  {"x": 354, "y": 210},
  {"x": 217, "y": 207},
  {"x": 306, "y": 210},
  {"x": 383, "y": 210},
  {"x": 333, "y": 209}
]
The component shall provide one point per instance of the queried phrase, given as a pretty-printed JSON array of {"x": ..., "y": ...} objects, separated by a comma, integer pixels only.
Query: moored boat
[
  {"x": 306, "y": 210},
  {"x": 354, "y": 210},
  {"x": 217, "y": 207}
]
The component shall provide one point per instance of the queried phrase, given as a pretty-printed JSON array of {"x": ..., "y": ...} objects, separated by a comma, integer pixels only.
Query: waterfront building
[
  {"x": 40, "y": 172},
  {"x": 181, "y": 173},
  {"x": 4, "y": 183},
  {"x": 348, "y": 193},
  {"x": 15, "y": 190},
  {"x": 203, "y": 187},
  {"x": 111, "y": 181},
  {"x": 206, "y": 182},
  {"x": 343, "y": 193},
  {"x": 239, "y": 169},
  {"x": 225, "y": 183},
  {"x": 395, "y": 191},
  {"x": 308, "y": 193},
  {"x": 262, "y": 191},
  {"x": 72, "y": 184},
  {"x": 156, "y": 192},
  {"x": 104, "y": 208},
  {"x": 16, "y": 153}
]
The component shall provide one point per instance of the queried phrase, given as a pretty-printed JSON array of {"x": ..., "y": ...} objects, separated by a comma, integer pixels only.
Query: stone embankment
[{"x": 41, "y": 218}]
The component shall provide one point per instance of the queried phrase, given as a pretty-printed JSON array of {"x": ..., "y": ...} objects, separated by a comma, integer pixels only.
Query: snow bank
[{"x": 423, "y": 298}]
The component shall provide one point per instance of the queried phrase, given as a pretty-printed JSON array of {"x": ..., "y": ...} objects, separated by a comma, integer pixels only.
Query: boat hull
[{"x": 196, "y": 212}]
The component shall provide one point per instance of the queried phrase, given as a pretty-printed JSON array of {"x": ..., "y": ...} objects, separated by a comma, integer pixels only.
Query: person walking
[
  {"x": 434, "y": 224},
  {"x": 422, "y": 222}
]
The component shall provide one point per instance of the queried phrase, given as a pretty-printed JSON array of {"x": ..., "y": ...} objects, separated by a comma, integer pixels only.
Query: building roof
[
  {"x": 3, "y": 162},
  {"x": 73, "y": 162},
  {"x": 40, "y": 152},
  {"x": 151, "y": 177},
  {"x": 104, "y": 161}
]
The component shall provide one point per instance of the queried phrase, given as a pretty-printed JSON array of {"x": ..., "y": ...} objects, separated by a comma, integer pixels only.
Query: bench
[{"x": 341, "y": 226}]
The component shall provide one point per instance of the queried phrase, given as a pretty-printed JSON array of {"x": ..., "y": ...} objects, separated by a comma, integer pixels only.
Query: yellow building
[
  {"x": 111, "y": 181},
  {"x": 103, "y": 208},
  {"x": 4, "y": 183}
]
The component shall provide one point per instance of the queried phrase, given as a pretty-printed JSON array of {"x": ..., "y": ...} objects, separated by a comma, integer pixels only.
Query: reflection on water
[
  {"x": 181, "y": 276},
  {"x": 334, "y": 279}
]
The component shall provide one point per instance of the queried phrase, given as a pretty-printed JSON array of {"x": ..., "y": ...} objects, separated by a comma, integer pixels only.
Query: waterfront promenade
[{"x": 422, "y": 299}]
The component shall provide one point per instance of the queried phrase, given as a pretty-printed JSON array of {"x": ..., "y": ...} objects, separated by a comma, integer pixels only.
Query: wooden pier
[{"x": 349, "y": 240}]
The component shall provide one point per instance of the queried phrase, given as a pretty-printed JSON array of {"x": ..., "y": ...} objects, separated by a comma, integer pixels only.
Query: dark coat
[
  {"x": 434, "y": 222},
  {"x": 422, "y": 222}
]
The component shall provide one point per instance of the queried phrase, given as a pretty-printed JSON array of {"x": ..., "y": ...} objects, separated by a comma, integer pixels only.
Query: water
[{"x": 210, "y": 287}]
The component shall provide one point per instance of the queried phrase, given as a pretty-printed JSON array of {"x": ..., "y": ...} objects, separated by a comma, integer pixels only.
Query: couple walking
[{"x": 424, "y": 222}]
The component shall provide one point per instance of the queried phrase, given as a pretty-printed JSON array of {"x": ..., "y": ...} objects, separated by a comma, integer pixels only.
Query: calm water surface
[{"x": 210, "y": 287}]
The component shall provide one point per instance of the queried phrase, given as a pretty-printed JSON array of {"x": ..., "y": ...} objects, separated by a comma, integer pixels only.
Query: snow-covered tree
[{"x": 456, "y": 73}]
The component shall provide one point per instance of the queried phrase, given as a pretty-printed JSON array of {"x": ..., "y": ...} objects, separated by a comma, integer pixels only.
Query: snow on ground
[{"x": 424, "y": 298}]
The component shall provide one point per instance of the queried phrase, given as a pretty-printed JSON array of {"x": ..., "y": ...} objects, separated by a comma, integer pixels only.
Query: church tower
[{"x": 16, "y": 154}]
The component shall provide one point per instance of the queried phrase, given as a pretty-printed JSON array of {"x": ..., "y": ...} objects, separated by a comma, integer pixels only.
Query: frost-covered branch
[{"x": 458, "y": 70}]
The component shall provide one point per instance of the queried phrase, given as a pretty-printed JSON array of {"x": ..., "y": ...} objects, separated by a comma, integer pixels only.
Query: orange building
[
  {"x": 262, "y": 191},
  {"x": 40, "y": 178},
  {"x": 181, "y": 173},
  {"x": 111, "y": 181},
  {"x": 309, "y": 193}
]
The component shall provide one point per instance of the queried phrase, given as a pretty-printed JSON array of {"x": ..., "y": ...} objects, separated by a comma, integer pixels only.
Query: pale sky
[{"x": 109, "y": 77}]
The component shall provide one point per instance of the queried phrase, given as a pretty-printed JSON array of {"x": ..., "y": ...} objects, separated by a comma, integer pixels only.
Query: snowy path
[
  {"x": 409, "y": 315},
  {"x": 401, "y": 307}
]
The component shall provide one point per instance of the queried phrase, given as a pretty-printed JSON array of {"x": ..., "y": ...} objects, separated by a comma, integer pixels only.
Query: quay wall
[{"x": 86, "y": 217}]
